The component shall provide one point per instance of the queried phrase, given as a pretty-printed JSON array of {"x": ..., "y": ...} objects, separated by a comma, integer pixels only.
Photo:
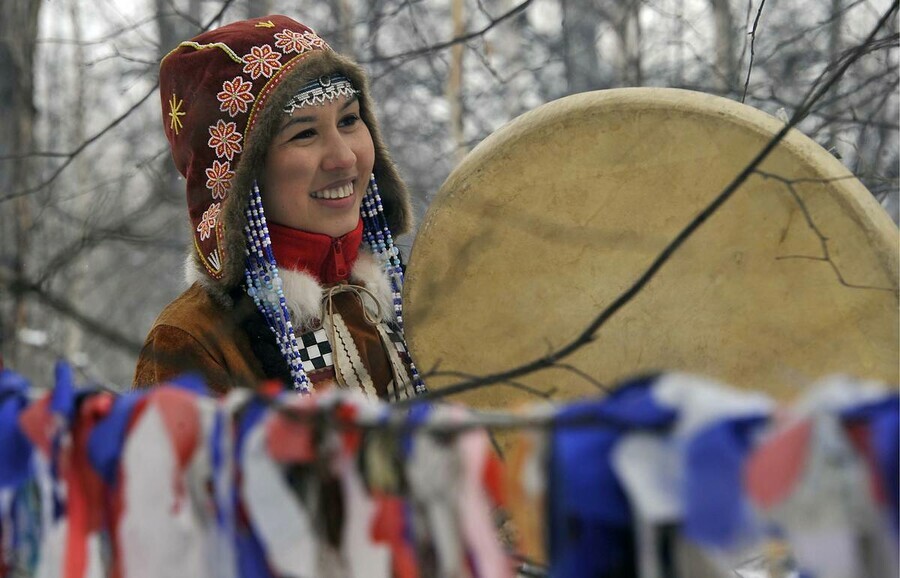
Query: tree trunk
[
  {"x": 173, "y": 27},
  {"x": 624, "y": 17},
  {"x": 579, "y": 42},
  {"x": 18, "y": 34},
  {"x": 509, "y": 46},
  {"x": 679, "y": 44},
  {"x": 342, "y": 39},
  {"x": 835, "y": 46},
  {"x": 726, "y": 77},
  {"x": 258, "y": 8},
  {"x": 74, "y": 336},
  {"x": 630, "y": 30},
  {"x": 455, "y": 81}
]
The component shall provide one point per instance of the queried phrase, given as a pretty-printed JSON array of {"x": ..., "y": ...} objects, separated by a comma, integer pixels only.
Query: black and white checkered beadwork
[{"x": 315, "y": 351}]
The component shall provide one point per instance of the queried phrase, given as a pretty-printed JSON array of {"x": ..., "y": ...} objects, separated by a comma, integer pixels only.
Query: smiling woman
[{"x": 293, "y": 200}]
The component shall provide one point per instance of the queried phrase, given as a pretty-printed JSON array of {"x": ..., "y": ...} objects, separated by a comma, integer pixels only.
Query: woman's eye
[
  {"x": 349, "y": 120},
  {"x": 304, "y": 134}
]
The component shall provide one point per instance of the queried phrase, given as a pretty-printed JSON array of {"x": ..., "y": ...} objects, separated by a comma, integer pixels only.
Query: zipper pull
[{"x": 340, "y": 264}]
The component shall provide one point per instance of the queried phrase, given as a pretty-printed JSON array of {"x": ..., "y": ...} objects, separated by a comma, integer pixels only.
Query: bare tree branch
[
  {"x": 752, "y": 48},
  {"x": 516, "y": 384},
  {"x": 70, "y": 157},
  {"x": 102, "y": 39},
  {"x": 823, "y": 240},
  {"x": 19, "y": 286},
  {"x": 424, "y": 51}
]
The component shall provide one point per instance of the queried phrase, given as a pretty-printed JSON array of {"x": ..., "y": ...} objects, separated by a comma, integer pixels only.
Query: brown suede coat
[{"x": 196, "y": 333}]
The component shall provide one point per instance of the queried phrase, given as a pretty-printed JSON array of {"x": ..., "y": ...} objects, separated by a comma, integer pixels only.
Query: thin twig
[
  {"x": 582, "y": 374},
  {"x": 823, "y": 240},
  {"x": 514, "y": 11},
  {"x": 752, "y": 48},
  {"x": 516, "y": 384}
]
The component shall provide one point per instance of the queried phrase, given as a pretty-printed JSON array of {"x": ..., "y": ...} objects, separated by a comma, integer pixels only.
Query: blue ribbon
[
  {"x": 107, "y": 439},
  {"x": 11, "y": 383},
  {"x": 251, "y": 555},
  {"x": 192, "y": 382},
  {"x": 15, "y": 448},
  {"x": 418, "y": 415},
  {"x": 62, "y": 399},
  {"x": 589, "y": 515},
  {"x": 715, "y": 511}
]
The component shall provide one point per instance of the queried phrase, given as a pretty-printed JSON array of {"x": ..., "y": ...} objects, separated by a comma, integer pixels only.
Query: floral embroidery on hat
[
  {"x": 315, "y": 40},
  {"x": 225, "y": 139},
  {"x": 208, "y": 220},
  {"x": 236, "y": 96},
  {"x": 219, "y": 178},
  {"x": 261, "y": 61},
  {"x": 300, "y": 42}
]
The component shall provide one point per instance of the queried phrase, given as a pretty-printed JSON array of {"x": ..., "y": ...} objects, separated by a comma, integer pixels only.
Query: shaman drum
[{"x": 552, "y": 217}]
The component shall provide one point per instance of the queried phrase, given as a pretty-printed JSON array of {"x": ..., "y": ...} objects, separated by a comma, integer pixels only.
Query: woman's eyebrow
[
  {"x": 350, "y": 101},
  {"x": 312, "y": 118},
  {"x": 297, "y": 119}
]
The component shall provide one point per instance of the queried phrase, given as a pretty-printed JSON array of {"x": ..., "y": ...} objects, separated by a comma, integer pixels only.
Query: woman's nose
[{"x": 338, "y": 154}]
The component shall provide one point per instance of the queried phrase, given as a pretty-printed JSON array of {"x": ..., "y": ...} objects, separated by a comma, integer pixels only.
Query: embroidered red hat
[{"x": 222, "y": 96}]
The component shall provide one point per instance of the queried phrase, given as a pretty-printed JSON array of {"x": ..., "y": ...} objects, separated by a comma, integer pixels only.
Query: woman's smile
[{"x": 334, "y": 192}]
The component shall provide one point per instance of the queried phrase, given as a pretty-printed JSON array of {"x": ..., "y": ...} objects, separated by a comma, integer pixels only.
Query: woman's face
[{"x": 317, "y": 168}]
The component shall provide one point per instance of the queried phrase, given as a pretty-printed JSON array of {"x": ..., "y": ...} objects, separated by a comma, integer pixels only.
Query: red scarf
[{"x": 329, "y": 259}]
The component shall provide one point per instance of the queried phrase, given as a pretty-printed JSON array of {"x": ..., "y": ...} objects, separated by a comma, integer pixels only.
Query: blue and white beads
[
  {"x": 377, "y": 235},
  {"x": 264, "y": 286}
]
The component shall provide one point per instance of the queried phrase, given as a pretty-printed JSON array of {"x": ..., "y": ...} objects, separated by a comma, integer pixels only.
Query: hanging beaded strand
[
  {"x": 264, "y": 286},
  {"x": 377, "y": 235}
]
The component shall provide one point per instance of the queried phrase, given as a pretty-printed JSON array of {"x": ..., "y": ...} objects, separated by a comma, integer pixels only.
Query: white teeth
[{"x": 335, "y": 193}]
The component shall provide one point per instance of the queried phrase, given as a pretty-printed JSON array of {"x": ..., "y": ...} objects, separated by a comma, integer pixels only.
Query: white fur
[
  {"x": 191, "y": 273},
  {"x": 368, "y": 272},
  {"x": 303, "y": 295}
]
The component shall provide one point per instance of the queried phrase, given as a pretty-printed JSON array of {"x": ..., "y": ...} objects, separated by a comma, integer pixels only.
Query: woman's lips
[{"x": 336, "y": 192}]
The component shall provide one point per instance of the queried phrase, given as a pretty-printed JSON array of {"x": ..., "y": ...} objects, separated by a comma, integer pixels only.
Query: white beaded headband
[{"x": 317, "y": 92}]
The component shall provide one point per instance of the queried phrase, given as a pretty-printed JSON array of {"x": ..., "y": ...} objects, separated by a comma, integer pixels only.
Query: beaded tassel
[
  {"x": 264, "y": 286},
  {"x": 377, "y": 235}
]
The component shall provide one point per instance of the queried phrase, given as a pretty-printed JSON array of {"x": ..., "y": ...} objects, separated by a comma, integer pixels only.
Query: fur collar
[{"x": 303, "y": 292}]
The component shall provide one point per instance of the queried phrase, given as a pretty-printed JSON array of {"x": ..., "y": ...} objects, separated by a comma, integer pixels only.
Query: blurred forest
[{"x": 93, "y": 226}]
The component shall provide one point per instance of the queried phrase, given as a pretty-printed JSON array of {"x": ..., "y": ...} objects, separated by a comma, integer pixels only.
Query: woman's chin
[{"x": 335, "y": 227}]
